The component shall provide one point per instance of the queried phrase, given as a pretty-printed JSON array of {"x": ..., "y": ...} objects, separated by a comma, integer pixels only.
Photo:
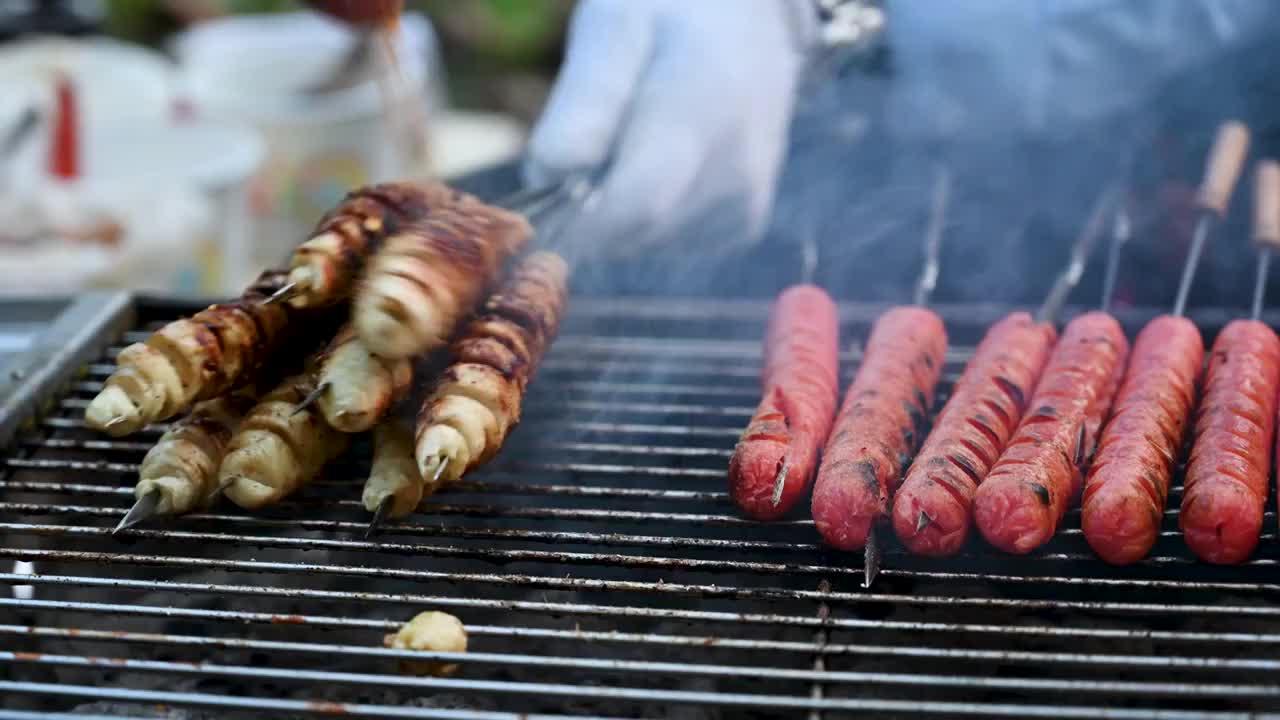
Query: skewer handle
[
  {"x": 1266, "y": 206},
  {"x": 1226, "y": 159}
]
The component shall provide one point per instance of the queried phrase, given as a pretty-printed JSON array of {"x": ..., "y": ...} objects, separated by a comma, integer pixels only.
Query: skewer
[
  {"x": 143, "y": 509},
  {"x": 1266, "y": 228},
  {"x": 310, "y": 399},
  {"x": 384, "y": 506},
  {"x": 379, "y": 516},
  {"x": 1080, "y": 252},
  {"x": 529, "y": 202},
  {"x": 1121, "y": 232},
  {"x": 925, "y": 286},
  {"x": 1226, "y": 159},
  {"x": 808, "y": 266}
]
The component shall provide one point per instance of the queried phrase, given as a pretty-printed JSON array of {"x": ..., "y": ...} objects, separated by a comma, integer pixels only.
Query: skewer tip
[
  {"x": 286, "y": 291},
  {"x": 435, "y": 476},
  {"x": 870, "y": 559},
  {"x": 143, "y": 508},
  {"x": 379, "y": 517},
  {"x": 780, "y": 482},
  {"x": 310, "y": 399},
  {"x": 922, "y": 521},
  {"x": 213, "y": 494}
]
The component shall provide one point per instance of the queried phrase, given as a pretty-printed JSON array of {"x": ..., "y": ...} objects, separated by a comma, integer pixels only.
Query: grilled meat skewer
[
  {"x": 359, "y": 387},
  {"x": 476, "y": 402},
  {"x": 182, "y": 467},
  {"x": 324, "y": 268},
  {"x": 277, "y": 450},
  {"x": 430, "y": 274},
  {"x": 394, "y": 477},
  {"x": 218, "y": 349}
]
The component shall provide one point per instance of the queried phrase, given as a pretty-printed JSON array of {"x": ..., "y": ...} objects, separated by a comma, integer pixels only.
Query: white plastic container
[{"x": 254, "y": 70}]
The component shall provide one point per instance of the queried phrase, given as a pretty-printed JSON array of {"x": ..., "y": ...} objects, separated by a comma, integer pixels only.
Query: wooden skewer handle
[
  {"x": 1266, "y": 205},
  {"x": 1226, "y": 160}
]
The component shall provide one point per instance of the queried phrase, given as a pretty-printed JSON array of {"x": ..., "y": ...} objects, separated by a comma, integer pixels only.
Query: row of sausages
[{"x": 1036, "y": 422}]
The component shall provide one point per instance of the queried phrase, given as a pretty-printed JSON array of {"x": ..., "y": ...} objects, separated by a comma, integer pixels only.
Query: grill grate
[{"x": 600, "y": 570}]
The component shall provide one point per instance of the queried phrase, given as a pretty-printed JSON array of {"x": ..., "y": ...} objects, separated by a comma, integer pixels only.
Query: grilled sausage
[
  {"x": 1029, "y": 489},
  {"x": 1225, "y": 491},
  {"x": 476, "y": 403},
  {"x": 324, "y": 267},
  {"x": 220, "y": 348},
  {"x": 277, "y": 450},
  {"x": 395, "y": 472},
  {"x": 932, "y": 509},
  {"x": 1128, "y": 482},
  {"x": 361, "y": 385},
  {"x": 879, "y": 425},
  {"x": 183, "y": 465},
  {"x": 800, "y": 381},
  {"x": 428, "y": 276}
]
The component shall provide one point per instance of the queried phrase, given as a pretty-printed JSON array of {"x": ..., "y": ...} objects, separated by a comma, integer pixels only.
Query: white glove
[{"x": 687, "y": 103}]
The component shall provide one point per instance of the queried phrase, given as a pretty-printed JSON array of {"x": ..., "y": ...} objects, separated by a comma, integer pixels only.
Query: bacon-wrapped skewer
[
  {"x": 476, "y": 402},
  {"x": 430, "y": 274},
  {"x": 215, "y": 351},
  {"x": 323, "y": 269}
]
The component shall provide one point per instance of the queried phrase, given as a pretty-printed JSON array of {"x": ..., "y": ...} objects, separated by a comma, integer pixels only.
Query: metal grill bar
[
  {"x": 627, "y": 586},
  {"x": 602, "y": 536},
  {"x": 713, "y": 641},
  {"x": 623, "y": 666}
]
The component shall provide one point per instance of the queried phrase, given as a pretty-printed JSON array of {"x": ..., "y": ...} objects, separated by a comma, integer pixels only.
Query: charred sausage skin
[
  {"x": 1018, "y": 507},
  {"x": 879, "y": 425},
  {"x": 1128, "y": 482},
  {"x": 800, "y": 381},
  {"x": 932, "y": 510},
  {"x": 1225, "y": 490}
]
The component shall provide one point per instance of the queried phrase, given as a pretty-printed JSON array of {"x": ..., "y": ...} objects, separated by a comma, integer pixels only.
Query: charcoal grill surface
[{"x": 600, "y": 570}]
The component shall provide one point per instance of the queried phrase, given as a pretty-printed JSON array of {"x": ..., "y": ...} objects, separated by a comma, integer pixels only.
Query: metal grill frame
[{"x": 607, "y": 510}]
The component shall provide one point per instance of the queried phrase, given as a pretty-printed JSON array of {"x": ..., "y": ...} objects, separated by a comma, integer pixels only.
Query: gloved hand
[{"x": 687, "y": 103}]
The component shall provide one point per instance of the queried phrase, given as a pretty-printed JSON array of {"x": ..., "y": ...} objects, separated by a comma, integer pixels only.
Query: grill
[{"x": 597, "y": 564}]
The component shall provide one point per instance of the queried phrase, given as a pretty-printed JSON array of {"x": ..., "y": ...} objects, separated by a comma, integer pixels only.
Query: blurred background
[{"x": 177, "y": 146}]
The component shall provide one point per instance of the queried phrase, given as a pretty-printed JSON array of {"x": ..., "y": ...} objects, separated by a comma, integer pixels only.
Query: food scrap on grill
[
  {"x": 430, "y": 631},
  {"x": 476, "y": 402}
]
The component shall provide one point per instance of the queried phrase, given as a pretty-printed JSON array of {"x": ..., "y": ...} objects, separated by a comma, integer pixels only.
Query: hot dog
[
  {"x": 879, "y": 425},
  {"x": 1018, "y": 507},
  {"x": 800, "y": 381},
  {"x": 931, "y": 511},
  {"x": 1226, "y": 481},
  {"x": 1128, "y": 482}
]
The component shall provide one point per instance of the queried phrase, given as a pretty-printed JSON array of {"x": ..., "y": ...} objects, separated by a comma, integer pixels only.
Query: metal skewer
[
  {"x": 1226, "y": 159},
  {"x": 1080, "y": 252},
  {"x": 379, "y": 516},
  {"x": 142, "y": 509},
  {"x": 310, "y": 398},
  {"x": 808, "y": 266},
  {"x": 1266, "y": 228},
  {"x": 925, "y": 286},
  {"x": 384, "y": 506},
  {"x": 1121, "y": 232}
]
